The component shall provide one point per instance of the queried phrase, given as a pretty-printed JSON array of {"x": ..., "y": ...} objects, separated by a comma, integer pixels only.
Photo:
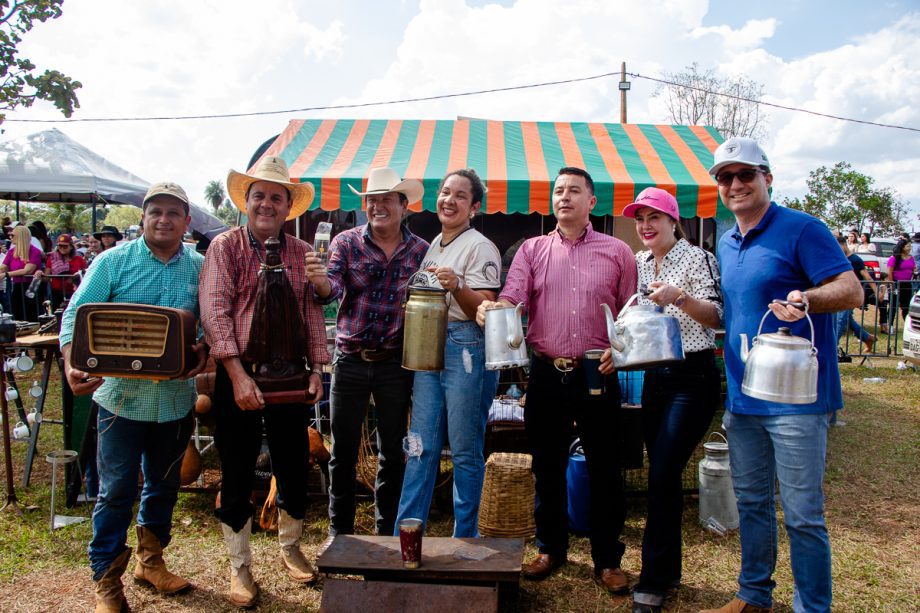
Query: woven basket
[{"x": 506, "y": 508}]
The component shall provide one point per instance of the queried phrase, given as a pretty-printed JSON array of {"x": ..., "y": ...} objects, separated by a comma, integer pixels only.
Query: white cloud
[{"x": 167, "y": 57}]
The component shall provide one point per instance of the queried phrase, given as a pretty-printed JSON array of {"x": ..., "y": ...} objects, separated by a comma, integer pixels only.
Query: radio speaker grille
[{"x": 127, "y": 332}]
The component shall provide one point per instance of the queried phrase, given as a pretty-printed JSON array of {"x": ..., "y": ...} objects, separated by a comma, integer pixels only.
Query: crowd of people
[{"x": 774, "y": 258}]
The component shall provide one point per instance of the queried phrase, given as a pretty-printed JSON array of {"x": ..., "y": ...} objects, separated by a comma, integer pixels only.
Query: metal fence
[{"x": 876, "y": 329}]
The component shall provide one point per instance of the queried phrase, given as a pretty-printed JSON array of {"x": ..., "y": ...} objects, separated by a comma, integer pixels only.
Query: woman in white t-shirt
[{"x": 454, "y": 403}]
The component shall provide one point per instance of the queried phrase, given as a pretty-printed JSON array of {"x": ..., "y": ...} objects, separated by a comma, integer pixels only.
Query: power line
[{"x": 465, "y": 94}]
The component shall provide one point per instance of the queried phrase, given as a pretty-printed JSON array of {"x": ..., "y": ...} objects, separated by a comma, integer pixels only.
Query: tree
[
  {"x": 702, "y": 98},
  {"x": 228, "y": 214},
  {"x": 20, "y": 85},
  {"x": 844, "y": 198},
  {"x": 123, "y": 215},
  {"x": 214, "y": 193}
]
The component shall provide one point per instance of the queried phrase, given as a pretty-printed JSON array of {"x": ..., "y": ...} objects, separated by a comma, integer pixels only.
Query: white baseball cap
[{"x": 738, "y": 150}]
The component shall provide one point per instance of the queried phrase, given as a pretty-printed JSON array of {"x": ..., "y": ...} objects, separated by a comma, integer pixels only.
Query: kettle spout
[
  {"x": 516, "y": 336},
  {"x": 615, "y": 341},
  {"x": 744, "y": 347}
]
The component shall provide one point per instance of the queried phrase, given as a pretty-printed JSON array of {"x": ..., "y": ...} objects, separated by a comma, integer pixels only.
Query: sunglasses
[
  {"x": 747, "y": 175},
  {"x": 63, "y": 245}
]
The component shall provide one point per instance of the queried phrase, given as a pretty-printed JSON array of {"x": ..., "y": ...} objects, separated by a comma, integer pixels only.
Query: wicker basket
[{"x": 506, "y": 508}]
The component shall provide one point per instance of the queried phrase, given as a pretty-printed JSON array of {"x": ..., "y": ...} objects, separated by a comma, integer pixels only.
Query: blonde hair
[{"x": 22, "y": 242}]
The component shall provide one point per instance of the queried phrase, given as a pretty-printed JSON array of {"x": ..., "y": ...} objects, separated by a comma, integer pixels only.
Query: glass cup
[
  {"x": 410, "y": 542},
  {"x": 593, "y": 377}
]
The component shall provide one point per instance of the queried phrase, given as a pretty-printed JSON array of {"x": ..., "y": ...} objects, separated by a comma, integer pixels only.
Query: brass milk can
[{"x": 425, "y": 329}]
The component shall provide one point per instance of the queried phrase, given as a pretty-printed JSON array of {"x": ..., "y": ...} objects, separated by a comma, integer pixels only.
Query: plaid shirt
[
  {"x": 228, "y": 286},
  {"x": 372, "y": 289},
  {"x": 131, "y": 273}
]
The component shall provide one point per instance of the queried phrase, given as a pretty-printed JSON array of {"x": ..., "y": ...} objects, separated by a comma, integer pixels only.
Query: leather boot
[
  {"x": 289, "y": 532},
  {"x": 110, "y": 593},
  {"x": 150, "y": 566},
  {"x": 739, "y": 606},
  {"x": 243, "y": 589}
]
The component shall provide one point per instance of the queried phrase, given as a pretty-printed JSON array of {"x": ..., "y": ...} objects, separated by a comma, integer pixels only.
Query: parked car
[
  {"x": 878, "y": 262},
  {"x": 911, "y": 346}
]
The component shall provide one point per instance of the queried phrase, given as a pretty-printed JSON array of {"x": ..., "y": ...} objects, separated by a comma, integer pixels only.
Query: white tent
[{"x": 49, "y": 166}]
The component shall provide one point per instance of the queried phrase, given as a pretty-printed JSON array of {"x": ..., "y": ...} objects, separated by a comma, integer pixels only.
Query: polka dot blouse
[{"x": 697, "y": 273}]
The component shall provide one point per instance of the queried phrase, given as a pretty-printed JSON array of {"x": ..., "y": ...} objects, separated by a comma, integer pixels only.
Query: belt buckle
[
  {"x": 367, "y": 354},
  {"x": 564, "y": 364}
]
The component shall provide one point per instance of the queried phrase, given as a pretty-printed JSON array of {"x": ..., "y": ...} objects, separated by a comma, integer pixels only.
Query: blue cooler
[{"x": 579, "y": 491}]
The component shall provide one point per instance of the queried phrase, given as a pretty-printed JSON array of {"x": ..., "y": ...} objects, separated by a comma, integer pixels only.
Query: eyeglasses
[{"x": 747, "y": 175}]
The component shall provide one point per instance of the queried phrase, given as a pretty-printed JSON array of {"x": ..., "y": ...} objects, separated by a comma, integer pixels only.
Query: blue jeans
[
  {"x": 845, "y": 319},
  {"x": 678, "y": 403},
  {"x": 354, "y": 381},
  {"x": 453, "y": 403},
  {"x": 791, "y": 448},
  {"x": 126, "y": 446}
]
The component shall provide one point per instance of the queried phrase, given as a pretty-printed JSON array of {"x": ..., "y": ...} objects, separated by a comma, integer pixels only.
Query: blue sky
[{"x": 172, "y": 57}]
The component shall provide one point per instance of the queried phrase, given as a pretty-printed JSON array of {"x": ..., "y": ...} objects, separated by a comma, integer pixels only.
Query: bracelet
[
  {"x": 317, "y": 370},
  {"x": 459, "y": 284},
  {"x": 681, "y": 299}
]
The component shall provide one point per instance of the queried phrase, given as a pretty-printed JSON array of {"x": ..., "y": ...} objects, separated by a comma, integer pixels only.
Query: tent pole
[
  {"x": 17, "y": 207},
  {"x": 92, "y": 198}
]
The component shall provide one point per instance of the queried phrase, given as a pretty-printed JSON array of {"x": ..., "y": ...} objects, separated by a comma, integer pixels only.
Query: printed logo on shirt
[
  {"x": 490, "y": 272},
  {"x": 424, "y": 278}
]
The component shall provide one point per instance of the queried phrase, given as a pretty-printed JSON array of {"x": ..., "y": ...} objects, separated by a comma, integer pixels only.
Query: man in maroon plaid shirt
[
  {"x": 227, "y": 297},
  {"x": 369, "y": 270}
]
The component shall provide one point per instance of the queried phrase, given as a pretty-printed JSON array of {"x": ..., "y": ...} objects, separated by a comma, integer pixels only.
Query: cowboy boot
[
  {"x": 243, "y": 589},
  {"x": 110, "y": 593},
  {"x": 289, "y": 532},
  {"x": 738, "y": 606},
  {"x": 150, "y": 566}
]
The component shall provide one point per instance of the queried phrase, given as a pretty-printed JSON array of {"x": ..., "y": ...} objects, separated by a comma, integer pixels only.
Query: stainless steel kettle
[
  {"x": 504, "y": 334},
  {"x": 643, "y": 336},
  {"x": 780, "y": 367}
]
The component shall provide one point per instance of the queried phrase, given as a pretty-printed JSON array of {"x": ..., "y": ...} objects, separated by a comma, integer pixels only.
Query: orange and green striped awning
[{"x": 517, "y": 159}]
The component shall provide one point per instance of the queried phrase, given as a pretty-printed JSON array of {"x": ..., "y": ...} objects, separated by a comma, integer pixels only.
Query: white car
[
  {"x": 878, "y": 262},
  {"x": 911, "y": 346}
]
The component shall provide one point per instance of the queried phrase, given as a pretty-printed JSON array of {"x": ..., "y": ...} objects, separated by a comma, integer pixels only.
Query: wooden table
[
  {"x": 48, "y": 343},
  {"x": 457, "y": 574}
]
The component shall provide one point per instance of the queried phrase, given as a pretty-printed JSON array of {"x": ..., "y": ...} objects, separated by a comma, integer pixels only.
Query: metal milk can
[
  {"x": 504, "y": 334},
  {"x": 717, "y": 498},
  {"x": 425, "y": 329}
]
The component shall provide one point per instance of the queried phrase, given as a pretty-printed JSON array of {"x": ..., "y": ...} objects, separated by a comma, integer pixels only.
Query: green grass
[{"x": 873, "y": 511}]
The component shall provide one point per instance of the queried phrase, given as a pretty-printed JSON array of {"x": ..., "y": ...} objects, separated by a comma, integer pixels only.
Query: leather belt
[
  {"x": 560, "y": 364},
  {"x": 376, "y": 355}
]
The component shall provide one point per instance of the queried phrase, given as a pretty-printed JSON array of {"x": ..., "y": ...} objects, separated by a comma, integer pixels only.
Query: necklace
[{"x": 444, "y": 245}]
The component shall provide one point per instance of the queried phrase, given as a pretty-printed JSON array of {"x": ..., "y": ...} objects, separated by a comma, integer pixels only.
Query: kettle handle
[
  {"x": 632, "y": 300},
  {"x": 719, "y": 434},
  {"x": 811, "y": 326}
]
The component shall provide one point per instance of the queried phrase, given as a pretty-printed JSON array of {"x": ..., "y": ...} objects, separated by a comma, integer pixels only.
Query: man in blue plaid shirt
[{"x": 142, "y": 424}]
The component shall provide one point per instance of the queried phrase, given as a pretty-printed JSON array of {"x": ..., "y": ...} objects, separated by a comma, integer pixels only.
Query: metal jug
[
  {"x": 425, "y": 329},
  {"x": 780, "y": 367},
  {"x": 643, "y": 336},
  {"x": 717, "y": 497},
  {"x": 505, "y": 347}
]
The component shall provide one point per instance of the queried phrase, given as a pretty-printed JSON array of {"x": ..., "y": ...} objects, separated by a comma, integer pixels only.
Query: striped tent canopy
[{"x": 517, "y": 159}]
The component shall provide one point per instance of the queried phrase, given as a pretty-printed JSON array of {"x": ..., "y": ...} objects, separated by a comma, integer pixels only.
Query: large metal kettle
[
  {"x": 504, "y": 335},
  {"x": 643, "y": 336},
  {"x": 780, "y": 367}
]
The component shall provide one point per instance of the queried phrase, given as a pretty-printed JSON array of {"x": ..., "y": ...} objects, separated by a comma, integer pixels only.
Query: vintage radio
[{"x": 137, "y": 341}]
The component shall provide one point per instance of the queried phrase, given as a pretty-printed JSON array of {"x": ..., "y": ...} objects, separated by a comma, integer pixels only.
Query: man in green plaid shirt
[{"x": 142, "y": 424}]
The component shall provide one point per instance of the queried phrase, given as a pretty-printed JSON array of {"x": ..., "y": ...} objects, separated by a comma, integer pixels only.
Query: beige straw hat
[{"x": 275, "y": 170}]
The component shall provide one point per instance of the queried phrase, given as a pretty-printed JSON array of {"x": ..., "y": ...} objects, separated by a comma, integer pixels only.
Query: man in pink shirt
[{"x": 563, "y": 278}]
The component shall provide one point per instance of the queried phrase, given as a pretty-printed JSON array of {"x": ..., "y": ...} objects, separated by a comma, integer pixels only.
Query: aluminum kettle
[
  {"x": 780, "y": 367},
  {"x": 643, "y": 336},
  {"x": 504, "y": 334}
]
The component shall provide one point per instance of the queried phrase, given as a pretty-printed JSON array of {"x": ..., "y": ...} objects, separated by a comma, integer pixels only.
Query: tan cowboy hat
[
  {"x": 385, "y": 180},
  {"x": 275, "y": 170}
]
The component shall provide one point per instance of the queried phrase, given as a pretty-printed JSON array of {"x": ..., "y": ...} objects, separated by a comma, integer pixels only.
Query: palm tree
[{"x": 214, "y": 194}]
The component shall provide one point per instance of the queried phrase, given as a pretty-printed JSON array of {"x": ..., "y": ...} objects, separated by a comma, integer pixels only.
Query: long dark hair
[{"x": 899, "y": 252}]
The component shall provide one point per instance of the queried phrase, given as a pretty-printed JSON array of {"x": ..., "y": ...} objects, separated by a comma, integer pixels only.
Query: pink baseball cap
[{"x": 655, "y": 198}]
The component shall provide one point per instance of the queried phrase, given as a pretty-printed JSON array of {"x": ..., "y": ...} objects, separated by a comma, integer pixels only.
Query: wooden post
[{"x": 622, "y": 93}]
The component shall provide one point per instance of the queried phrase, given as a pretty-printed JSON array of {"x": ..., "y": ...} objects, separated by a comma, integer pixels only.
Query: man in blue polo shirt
[{"x": 778, "y": 253}]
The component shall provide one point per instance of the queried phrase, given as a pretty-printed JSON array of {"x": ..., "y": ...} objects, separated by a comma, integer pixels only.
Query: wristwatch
[{"x": 679, "y": 302}]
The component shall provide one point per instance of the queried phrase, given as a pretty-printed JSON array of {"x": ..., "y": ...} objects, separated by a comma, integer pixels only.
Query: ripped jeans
[
  {"x": 126, "y": 446},
  {"x": 453, "y": 403}
]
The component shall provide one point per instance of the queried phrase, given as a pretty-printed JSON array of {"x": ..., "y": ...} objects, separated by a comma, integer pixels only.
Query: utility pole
[{"x": 624, "y": 86}]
